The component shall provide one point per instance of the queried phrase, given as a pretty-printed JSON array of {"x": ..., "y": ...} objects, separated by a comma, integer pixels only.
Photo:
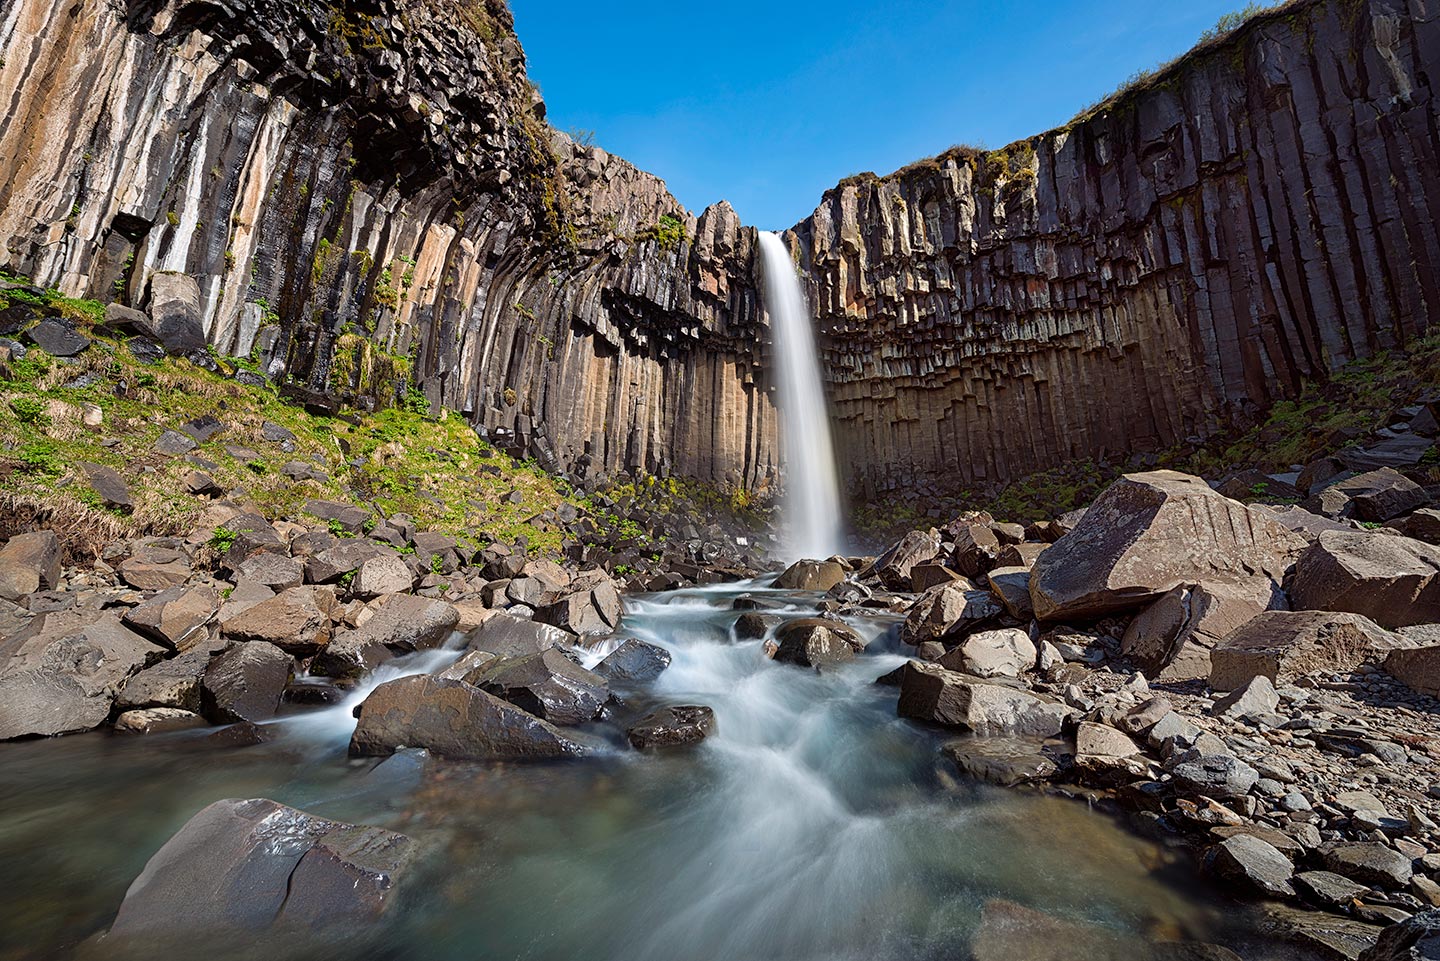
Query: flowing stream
[
  {"x": 814, "y": 825},
  {"x": 812, "y": 487}
]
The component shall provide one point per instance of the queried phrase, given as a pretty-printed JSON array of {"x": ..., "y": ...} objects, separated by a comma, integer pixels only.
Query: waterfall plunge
[{"x": 812, "y": 490}]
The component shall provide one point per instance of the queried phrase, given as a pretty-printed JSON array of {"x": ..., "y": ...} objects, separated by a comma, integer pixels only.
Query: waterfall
[{"x": 812, "y": 489}]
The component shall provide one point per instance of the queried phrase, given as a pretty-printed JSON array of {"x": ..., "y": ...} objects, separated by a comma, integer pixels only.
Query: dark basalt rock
[
  {"x": 816, "y": 642},
  {"x": 248, "y": 865},
  {"x": 673, "y": 726},
  {"x": 451, "y": 718},
  {"x": 634, "y": 661},
  {"x": 245, "y": 683},
  {"x": 510, "y": 636},
  {"x": 58, "y": 337},
  {"x": 548, "y": 685},
  {"x": 1414, "y": 939}
]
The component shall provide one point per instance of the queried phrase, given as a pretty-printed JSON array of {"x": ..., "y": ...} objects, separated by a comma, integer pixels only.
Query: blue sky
[{"x": 767, "y": 104}]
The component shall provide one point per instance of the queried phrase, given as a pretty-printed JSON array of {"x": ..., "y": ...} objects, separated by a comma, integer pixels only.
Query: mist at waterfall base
[
  {"x": 813, "y": 525},
  {"x": 814, "y": 825}
]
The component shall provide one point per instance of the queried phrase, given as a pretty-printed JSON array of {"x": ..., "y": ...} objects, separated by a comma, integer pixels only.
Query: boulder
[
  {"x": 292, "y": 620},
  {"x": 58, "y": 337},
  {"x": 107, "y": 482},
  {"x": 1099, "y": 740},
  {"x": 1148, "y": 534},
  {"x": 29, "y": 563},
  {"x": 175, "y": 315},
  {"x": 811, "y": 576},
  {"x": 1416, "y": 668},
  {"x": 276, "y": 571},
  {"x": 1003, "y": 761},
  {"x": 1327, "y": 889},
  {"x": 174, "y": 683},
  {"x": 633, "y": 662},
  {"x": 406, "y": 622},
  {"x": 1377, "y": 496},
  {"x": 1008, "y": 652},
  {"x": 672, "y": 726},
  {"x": 930, "y": 693},
  {"x": 594, "y": 611},
  {"x": 510, "y": 636},
  {"x": 1252, "y": 864},
  {"x": 1247, "y": 485},
  {"x": 917, "y": 547},
  {"x": 1423, "y": 525},
  {"x": 468, "y": 667},
  {"x": 1173, "y": 638},
  {"x": 1011, "y": 932},
  {"x": 347, "y": 517},
  {"x": 1368, "y": 862},
  {"x": 64, "y": 680},
  {"x": 948, "y": 610},
  {"x": 245, "y": 683},
  {"x": 454, "y": 719},
  {"x": 976, "y": 548},
  {"x": 157, "y": 720},
  {"x": 548, "y": 685},
  {"x": 177, "y": 618},
  {"x": 1256, "y": 696},
  {"x": 816, "y": 642},
  {"x": 1389, "y": 579},
  {"x": 155, "y": 568},
  {"x": 925, "y": 576},
  {"x": 1417, "y": 938},
  {"x": 385, "y": 574},
  {"x": 248, "y": 865},
  {"x": 753, "y": 625},
  {"x": 333, "y": 563},
  {"x": 1011, "y": 586},
  {"x": 1219, "y": 776},
  {"x": 1285, "y": 645}
]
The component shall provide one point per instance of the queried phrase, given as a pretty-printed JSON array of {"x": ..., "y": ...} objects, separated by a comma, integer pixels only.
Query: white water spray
[{"x": 812, "y": 489}]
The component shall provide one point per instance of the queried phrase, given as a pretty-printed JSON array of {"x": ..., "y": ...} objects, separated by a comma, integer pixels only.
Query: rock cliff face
[
  {"x": 369, "y": 197},
  {"x": 1166, "y": 265}
]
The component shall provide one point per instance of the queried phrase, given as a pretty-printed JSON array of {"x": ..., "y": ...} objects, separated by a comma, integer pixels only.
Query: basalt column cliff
[
  {"x": 368, "y": 197},
  {"x": 1168, "y": 264}
]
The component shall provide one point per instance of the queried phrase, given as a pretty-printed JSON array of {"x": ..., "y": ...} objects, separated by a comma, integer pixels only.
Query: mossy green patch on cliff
[
  {"x": 669, "y": 232},
  {"x": 401, "y": 459}
]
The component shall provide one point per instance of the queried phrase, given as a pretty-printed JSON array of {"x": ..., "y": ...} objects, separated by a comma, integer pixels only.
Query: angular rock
[
  {"x": 174, "y": 683},
  {"x": 816, "y": 642},
  {"x": 1148, "y": 534},
  {"x": 1328, "y": 890},
  {"x": 1417, "y": 668},
  {"x": 64, "y": 680},
  {"x": 1254, "y": 865},
  {"x": 1098, "y": 740},
  {"x": 1173, "y": 639},
  {"x": 386, "y": 574},
  {"x": 1368, "y": 863},
  {"x": 925, "y": 576},
  {"x": 811, "y": 576},
  {"x": 1417, "y": 938},
  {"x": 1217, "y": 776},
  {"x": 333, "y": 563},
  {"x": 174, "y": 443},
  {"x": 1257, "y": 696},
  {"x": 245, "y": 683},
  {"x": 248, "y": 865},
  {"x": 1003, "y": 761},
  {"x": 510, "y": 636},
  {"x": 292, "y": 620},
  {"x": 917, "y": 547},
  {"x": 175, "y": 314},
  {"x": 177, "y": 618},
  {"x": 672, "y": 726},
  {"x": 1003, "y": 653},
  {"x": 1376, "y": 496},
  {"x": 931, "y": 693},
  {"x": 156, "y": 569},
  {"x": 29, "y": 563},
  {"x": 58, "y": 337},
  {"x": 453, "y": 719},
  {"x": 276, "y": 571},
  {"x": 948, "y": 610},
  {"x": 107, "y": 482},
  {"x": 976, "y": 548},
  {"x": 752, "y": 625},
  {"x": 157, "y": 720},
  {"x": 548, "y": 685},
  {"x": 595, "y": 611},
  {"x": 1012, "y": 586},
  {"x": 1391, "y": 580},
  {"x": 634, "y": 662},
  {"x": 1286, "y": 645}
]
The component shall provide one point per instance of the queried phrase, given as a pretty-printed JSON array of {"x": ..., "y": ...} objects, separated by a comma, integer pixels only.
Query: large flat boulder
[
  {"x": 811, "y": 576},
  {"x": 510, "y": 636},
  {"x": 247, "y": 865},
  {"x": 1417, "y": 668},
  {"x": 1390, "y": 579},
  {"x": 930, "y": 693},
  {"x": 1377, "y": 495},
  {"x": 178, "y": 617},
  {"x": 593, "y": 611},
  {"x": 816, "y": 642},
  {"x": 1007, "y": 652},
  {"x": 454, "y": 719},
  {"x": 64, "y": 680},
  {"x": 293, "y": 620},
  {"x": 1148, "y": 534},
  {"x": 1286, "y": 645}
]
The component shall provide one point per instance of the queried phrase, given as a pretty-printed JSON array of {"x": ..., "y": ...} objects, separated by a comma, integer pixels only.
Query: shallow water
[{"x": 814, "y": 825}]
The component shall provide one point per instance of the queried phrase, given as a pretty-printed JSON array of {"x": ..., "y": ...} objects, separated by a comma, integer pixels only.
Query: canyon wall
[
  {"x": 371, "y": 200},
  {"x": 369, "y": 187},
  {"x": 1160, "y": 269}
]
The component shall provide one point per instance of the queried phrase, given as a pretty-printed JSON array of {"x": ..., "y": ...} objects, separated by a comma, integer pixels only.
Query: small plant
[
  {"x": 437, "y": 563},
  {"x": 1259, "y": 489},
  {"x": 222, "y": 539},
  {"x": 338, "y": 529},
  {"x": 28, "y": 410},
  {"x": 416, "y": 402},
  {"x": 39, "y": 457}
]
